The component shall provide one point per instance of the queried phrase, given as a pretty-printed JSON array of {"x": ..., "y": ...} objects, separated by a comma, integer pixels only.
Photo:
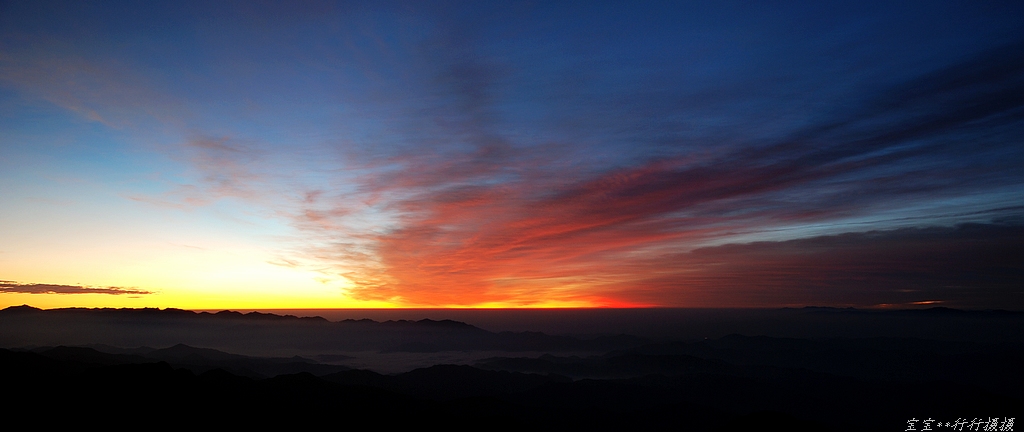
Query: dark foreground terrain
[{"x": 612, "y": 383}]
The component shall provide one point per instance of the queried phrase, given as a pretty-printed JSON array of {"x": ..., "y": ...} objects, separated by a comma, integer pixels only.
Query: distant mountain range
[
  {"x": 529, "y": 381},
  {"x": 267, "y": 334}
]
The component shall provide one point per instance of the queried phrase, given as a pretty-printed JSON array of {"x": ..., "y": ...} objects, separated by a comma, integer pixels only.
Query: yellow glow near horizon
[
  {"x": 229, "y": 278},
  {"x": 200, "y": 270}
]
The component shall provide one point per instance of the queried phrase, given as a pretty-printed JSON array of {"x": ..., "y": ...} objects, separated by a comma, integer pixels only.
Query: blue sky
[{"x": 332, "y": 154}]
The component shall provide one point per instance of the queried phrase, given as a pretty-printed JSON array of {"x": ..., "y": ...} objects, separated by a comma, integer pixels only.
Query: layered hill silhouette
[{"x": 737, "y": 382}]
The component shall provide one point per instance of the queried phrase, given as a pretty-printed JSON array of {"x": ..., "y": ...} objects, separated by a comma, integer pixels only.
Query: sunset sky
[{"x": 248, "y": 154}]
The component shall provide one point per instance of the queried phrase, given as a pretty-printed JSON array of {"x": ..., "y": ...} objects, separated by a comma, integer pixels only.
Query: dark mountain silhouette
[
  {"x": 663, "y": 391},
  {"x": 735, "y": 382}
]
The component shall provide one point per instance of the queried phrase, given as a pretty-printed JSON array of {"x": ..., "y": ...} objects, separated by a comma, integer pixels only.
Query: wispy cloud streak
[
  {"x": 969, "y": 265},
  {"x": 38, "y": 288},
  {"x": 472, "y": 227}
]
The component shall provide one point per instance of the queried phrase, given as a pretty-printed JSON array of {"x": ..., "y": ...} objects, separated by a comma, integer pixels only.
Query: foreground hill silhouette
[{"x": 737, "y": 382}]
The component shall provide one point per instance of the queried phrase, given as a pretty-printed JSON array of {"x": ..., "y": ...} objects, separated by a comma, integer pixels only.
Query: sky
[{"x": 249, "y": 154}]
